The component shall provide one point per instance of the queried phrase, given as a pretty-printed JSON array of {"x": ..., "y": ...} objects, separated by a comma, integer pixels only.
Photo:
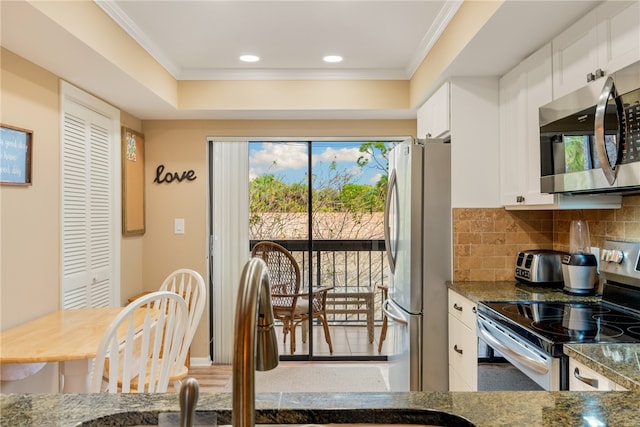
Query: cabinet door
[
  {"x": 538, "y": 92},
  {"x": 575, "y": 55},
  {"x": 606, "y": 40},
  {"x": 463, "y": 353},
  {"x": 512, "y": 137},
  {"x": 522, "y": 91},
  {"x": 618, "y": 34},
  {"x": 463, "y": 343},
  {"x": 433, "y": 117}
]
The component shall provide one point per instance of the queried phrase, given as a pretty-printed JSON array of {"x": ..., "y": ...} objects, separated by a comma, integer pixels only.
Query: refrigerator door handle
[
  {"x": 392, "y": 190},
  {"x": 391, "y": 315}
]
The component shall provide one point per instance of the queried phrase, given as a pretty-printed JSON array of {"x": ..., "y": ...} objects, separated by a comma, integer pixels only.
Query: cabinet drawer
[
  {"x": 462, "y": 309},
  {"x": 582, "y": 378},
  {"x": 463, "y": 350}
]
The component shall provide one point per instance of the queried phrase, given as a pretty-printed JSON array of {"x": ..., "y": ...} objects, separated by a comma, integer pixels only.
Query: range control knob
[{"x": 612, "y": 255}]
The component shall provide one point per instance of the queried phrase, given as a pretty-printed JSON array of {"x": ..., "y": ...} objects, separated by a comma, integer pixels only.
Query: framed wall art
[
  {"x": 133, "y": 200},
  {"x": 15, "y": 155}
]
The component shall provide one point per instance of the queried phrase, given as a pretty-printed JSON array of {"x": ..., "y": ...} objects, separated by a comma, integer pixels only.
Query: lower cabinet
[
  {"x": 582, "y": 378},
  {"x": 463, "y": 344}
]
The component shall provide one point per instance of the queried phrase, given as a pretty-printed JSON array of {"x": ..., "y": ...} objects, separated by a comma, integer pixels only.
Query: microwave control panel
[{"x": 631, "y": 122}]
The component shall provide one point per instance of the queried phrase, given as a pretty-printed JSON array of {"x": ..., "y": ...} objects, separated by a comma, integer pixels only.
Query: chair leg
[
  {"x": 327, "y": 335},
  {"x": 293, "y": 337},
  {"x": 285, "y": 330},
  {"x": 305, "y": 331},
  {"x": 383, "y": 334}
]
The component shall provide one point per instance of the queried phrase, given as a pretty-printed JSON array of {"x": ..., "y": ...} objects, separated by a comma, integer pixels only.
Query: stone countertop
[
  {"x": 481, "y": 409},
  {"x": 512, "y": 291},
  {"x": 618, "y": 362}
]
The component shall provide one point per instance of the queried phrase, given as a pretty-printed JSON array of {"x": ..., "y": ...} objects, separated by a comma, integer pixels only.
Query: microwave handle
[{"x": 608, "y": 91}]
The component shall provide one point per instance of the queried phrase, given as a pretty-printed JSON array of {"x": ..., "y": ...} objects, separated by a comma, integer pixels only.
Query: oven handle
[{"x": 530, "y": 363}]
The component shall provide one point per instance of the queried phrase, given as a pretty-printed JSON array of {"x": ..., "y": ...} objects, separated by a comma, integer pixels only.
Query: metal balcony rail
[{"x": 350, "y": 266}]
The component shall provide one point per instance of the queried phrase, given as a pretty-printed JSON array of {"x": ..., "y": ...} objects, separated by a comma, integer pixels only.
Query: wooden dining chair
[
  {"x": 290, "y": 303},
  {"x": 190, "y": 285},
  {"x": 142, "y": 345}
]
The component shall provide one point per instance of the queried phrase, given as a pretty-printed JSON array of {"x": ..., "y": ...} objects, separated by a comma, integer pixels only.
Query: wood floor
[
  {"x": 347, "y": 341},
  {"x": 212, "y": 378}
]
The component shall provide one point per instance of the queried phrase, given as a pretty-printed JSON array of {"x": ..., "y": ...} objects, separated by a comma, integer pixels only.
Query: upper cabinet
[
  {"x": 434, "y": 116},
  {"x": 522, "y": 91},
  {"x": 465, "y": 110},
  {"x": 603, "y": 41}
]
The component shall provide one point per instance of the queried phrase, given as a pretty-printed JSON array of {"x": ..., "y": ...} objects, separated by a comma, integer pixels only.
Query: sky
[{"x": 288, "y": 160}]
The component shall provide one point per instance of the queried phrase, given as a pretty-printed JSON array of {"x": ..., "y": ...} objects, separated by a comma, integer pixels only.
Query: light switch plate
[{"x": 178, "y": 226}]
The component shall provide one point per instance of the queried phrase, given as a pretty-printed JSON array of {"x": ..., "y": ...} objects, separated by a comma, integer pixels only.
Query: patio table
[{"x": 351, "y": 300}]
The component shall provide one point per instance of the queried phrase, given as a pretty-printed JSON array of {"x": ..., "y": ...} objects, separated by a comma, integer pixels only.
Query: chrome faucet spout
[{"x": 255, "y": 342}]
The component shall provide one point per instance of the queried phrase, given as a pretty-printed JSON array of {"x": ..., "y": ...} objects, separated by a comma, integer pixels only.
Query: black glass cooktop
[{"x": 549, "y": 324}]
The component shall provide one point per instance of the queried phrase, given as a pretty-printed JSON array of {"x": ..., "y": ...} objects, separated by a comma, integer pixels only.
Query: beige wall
[{"x": 30, "y": 216}]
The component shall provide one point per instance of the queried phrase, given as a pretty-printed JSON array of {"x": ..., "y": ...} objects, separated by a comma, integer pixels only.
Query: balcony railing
[{"x": 347, "y": 265}]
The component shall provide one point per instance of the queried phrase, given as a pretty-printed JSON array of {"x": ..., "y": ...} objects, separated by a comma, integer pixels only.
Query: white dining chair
[
  {"x": 142, "y": 345},
  {"x": 190, "y": 285}
]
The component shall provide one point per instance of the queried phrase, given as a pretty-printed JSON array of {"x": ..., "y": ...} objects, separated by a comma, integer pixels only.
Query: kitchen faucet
[{"x": 255, "y": 343}]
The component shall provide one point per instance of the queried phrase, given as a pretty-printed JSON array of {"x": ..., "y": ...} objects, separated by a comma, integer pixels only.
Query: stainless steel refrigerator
[{"x": 418, "y": 243}]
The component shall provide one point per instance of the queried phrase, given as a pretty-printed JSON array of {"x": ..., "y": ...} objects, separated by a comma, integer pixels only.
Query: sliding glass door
[{"x": 323, "y": 201}]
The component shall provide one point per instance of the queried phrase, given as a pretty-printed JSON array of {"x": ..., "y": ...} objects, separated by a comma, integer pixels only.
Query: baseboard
[{"x": 200, "y": 361}]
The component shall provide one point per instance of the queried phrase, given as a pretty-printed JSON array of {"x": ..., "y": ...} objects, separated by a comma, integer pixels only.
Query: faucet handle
[{"x": 189, "y": 392}]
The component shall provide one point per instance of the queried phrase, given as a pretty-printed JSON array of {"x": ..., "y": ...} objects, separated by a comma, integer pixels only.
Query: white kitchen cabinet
[
  {"x": 434, "y": 115},
  {"x": 522, "y": 91},
  {"x": 582, "y": 378},
  {"x": 463, "y": 344},
  {"x": 601, "y": 42},
  {"x": 465, "y": 111}
]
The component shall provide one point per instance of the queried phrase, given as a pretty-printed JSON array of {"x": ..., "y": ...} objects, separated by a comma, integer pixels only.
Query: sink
[{"x": 302, "y": 418}]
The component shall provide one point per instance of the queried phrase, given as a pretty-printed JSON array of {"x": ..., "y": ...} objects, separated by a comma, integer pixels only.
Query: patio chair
[
  {"x": 290, "y": 302},
  {"x": 141, "y": 346}
]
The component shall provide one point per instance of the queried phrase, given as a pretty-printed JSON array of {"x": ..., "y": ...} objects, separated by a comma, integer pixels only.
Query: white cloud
[
  {"x": 340, "y": 155},
  {"x": 274, "y": 157},
  {"x": 375, "y": 178}
]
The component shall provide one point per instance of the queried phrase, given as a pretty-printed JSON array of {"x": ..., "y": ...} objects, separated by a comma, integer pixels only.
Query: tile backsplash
[{"x": 487, "y": 240}]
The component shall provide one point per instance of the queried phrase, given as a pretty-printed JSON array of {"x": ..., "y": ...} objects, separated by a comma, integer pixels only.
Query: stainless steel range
[{"x": 531, "y": 335}]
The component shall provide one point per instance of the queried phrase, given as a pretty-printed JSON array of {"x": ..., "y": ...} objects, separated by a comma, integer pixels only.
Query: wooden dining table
[{"x": 70, "y": 337}]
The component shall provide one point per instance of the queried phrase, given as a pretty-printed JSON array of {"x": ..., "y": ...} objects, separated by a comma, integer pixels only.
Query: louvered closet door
[{"x": 88, "y": 228}]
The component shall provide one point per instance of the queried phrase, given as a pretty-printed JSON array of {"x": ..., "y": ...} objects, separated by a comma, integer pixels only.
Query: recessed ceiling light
[
  {"x": 332, "y": 58},
  {"x": 249, "y": 58}
]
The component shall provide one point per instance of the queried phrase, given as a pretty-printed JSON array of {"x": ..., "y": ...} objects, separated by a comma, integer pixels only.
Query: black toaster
[{"x": 540, "y": 267}]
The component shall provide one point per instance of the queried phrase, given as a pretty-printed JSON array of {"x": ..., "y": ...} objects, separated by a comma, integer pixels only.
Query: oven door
[{"x": 542, "y": 368}]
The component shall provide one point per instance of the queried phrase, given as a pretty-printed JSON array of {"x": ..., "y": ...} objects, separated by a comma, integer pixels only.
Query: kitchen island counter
[{"x": 482, "y": 409}]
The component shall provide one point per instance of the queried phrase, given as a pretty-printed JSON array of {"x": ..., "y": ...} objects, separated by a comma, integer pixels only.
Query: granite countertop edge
[{"x": 481, "y": 409}]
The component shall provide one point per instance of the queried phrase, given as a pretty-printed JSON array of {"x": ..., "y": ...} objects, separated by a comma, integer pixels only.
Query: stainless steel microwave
[{"x": 590, "y": 139}]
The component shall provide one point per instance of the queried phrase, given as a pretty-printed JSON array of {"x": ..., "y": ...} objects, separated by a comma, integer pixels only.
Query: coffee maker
[{"x": 579, "y": 266}]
